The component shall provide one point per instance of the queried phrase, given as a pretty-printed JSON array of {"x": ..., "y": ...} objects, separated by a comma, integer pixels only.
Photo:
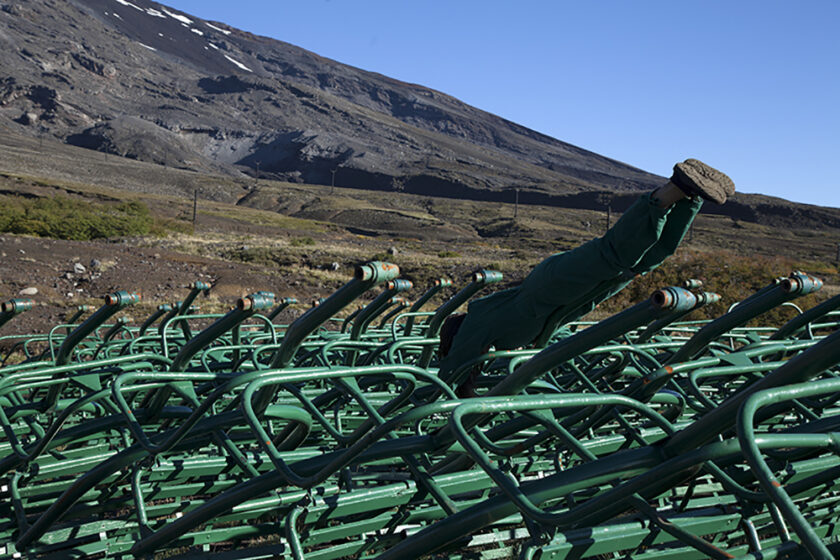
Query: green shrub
[
  {"x": 449, "y": 254},
  {"x": 68, "y": 218},
  {"x": 301, "y": 241}
]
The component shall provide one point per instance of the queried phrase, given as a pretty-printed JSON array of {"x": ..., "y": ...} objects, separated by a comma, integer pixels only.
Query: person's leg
[
  {"x": 568, "y": 278},
  {"x": 680, "y": 218}
]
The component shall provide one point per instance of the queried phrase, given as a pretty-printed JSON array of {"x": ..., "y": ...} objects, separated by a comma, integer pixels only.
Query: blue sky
[{"x": 751, "y": 87}]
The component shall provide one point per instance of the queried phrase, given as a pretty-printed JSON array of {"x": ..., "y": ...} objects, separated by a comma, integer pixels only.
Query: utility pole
[
  {"x": 516, "y": 205},
  {"x": 195, "y": 206},
  {"x": 332, "y": 181},
  {"x": 838, "y": 252},
  {"x": 258, "y": 169},
  {"x": 609, "y": 217}
]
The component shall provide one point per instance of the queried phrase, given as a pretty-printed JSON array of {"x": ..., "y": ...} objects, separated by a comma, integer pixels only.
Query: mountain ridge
[{"x": 221, "y": 99}]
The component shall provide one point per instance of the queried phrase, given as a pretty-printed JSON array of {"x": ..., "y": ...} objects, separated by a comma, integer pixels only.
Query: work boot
[{"x": 693, "y": 177}]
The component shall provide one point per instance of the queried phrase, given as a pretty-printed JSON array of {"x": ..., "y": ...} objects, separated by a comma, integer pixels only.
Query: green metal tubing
[
  {"x": 159, "y": 312},
  {"x": 332, "y": 460},
  {"x": 662, "y": 301},
  {"x": 480, "y": 279},
  {"x": 802, "y": 367},
  {"x": 789, "y": 288},
  {"x": 582, "y": 305},
  {"x": 703, "y": 299},
  {"x": 500, "y": 404},
  {"x": 245, "y": 307},
  {"x": 365, "y": 277},
  {"x": 117, "y": 327},
  {"x": 760, "y": 293},
  {"x": 113, "y": 303},
  {"x": 184, "y": 307},
  {"x": 398, "y": 305},
  {"x": 195, "y": 289},
  {"x": 439, "y": 284},
  {"x": 173, "y": 312},
  {"x": 378, "y": 305},
  {"x": 350, "y": 318},
  {"x": 650, "y": 474},
  {"x": 803, "y": 319},
  {"x": 14, "y": 307},
  {"x": 81, "y": 310},
  {"x": 120, "y": 460},
  {"x": 291, "y": 532},
  {"x": 768, "y": 481},
  {"x": 17, "y": 305},
  {"x": 282, "y": 304},
  {"x": 467, "y": 521}
]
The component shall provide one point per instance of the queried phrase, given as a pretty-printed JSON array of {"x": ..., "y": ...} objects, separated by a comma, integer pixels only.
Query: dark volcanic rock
[{"x": 140, "y": 79}]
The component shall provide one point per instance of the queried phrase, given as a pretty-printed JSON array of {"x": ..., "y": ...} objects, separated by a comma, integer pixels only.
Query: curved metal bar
[
  {"x": 113, "y": 303},
  {"x": 771, "y": 485},
  {"x": 480, "y": 279},
  {"x": 365, "y": 277},
  {"x": 438, "y": 285}
]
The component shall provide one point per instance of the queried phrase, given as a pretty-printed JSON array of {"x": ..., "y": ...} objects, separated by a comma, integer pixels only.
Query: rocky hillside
[{"x": 139, "y": 79}]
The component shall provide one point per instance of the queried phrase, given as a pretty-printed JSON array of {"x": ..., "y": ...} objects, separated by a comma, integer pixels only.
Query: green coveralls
[{"x": 566, "y": 286}]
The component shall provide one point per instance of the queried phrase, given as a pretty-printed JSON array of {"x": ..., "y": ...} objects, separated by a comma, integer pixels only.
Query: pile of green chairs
[{"x": 644, "y": 435}]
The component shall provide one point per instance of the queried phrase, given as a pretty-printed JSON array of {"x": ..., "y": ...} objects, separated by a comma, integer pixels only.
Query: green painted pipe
[
  {"x": 379, "y": 304},
  {"x": 663, "y": 301},
  {"x": 438, "y": 285},
  {"x": 583, "y": 305},
  {"x": 110, "y": 333},
  {"x": 195, "y": 289},
  {"x": 245, "y": 307},
  {"x": 480, "y": 279},
  {"x": 173, "y": 312},
  {"x": 768, "y": 298},
  {"x": 81, "y": 310},
  {"x": 158, "y": 313},
  {"x": 398, "y": 304},
  {"x": 282, "y": 304},
  {"x": 350, "y": 318},
  {"x": 802, "y": 367},
  {"x": 184, "y": 307},
  {"x": 113, "y": 303},
  {"x": 365, "y": 277},
  {"x": 772, "y": 487},
  {"x": 14, "y": 307},
  {"x": 703, "y": 299},
  {"x": 803, "y": 319}
]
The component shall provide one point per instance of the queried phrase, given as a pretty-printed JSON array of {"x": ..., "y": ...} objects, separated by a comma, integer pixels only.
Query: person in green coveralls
[{"x": 566, "y": 286}]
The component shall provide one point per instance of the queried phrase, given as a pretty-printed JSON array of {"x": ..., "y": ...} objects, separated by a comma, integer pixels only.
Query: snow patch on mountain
[
  {"x": 239, "y": 64},
  {"x": 179, "y": 17},
  {"x": 214, "y": 28},
  {"x": 129, "y": 4}
]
